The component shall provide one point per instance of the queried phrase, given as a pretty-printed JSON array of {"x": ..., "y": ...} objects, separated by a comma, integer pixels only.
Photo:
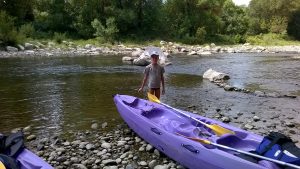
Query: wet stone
[
  {"x": 225, "y": 119},
  {"x": 143, "y": 163},
  {"x": 109, "y": 162},
  {"x": 149, "y": 147},
  {"x": 104, "y": 125},
  {"x": 79, "y": 166},
  {"x": 106, "y": 145},
  {"x": 292, "y": 132},
  {"x": 31, "y": 137},
  {"x": 94, "y": 126},
  {"x": 161, "y": 167},
  {"x": 152, "y": 164},
  {"x": 256, "y": 118},
  {"x": 249, "y": 127},
  {"x": 290, "y": 124}
]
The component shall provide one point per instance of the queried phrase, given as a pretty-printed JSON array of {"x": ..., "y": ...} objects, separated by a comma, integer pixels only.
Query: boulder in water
[{"x": 215, "y": 76}]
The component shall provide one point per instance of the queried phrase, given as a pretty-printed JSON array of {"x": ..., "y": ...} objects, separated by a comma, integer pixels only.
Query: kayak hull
[
  {"x": 158, "y": 126},
  {"x": 29, "y": 160}
]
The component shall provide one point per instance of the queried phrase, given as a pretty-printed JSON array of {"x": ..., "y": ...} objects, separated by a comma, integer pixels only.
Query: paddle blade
[
  {"x": 153, "y": 98},
  {"x": 220, "y": 130},
  {"x": 195, "y": 139}
]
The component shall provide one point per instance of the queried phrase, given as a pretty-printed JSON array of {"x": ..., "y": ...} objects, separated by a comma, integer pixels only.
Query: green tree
[
  {"x": 8, "y": 32},
  {"x": 293, "y": 28},
  {"x": 234, "y": 18},
  {"x": 22, "y": 11},
  {"x": 184, "y": 17},
  {"x": 270, "y": 15},
  {"x": 59, "y": 19},
  {"x": 108, "y": 32},
  {"x": 84, "y": 12}
]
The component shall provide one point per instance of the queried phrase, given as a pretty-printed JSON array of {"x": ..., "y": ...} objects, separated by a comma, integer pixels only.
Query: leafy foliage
[
  {"x": 59, "y": 37},
  {"x": 271, "y": 15},
  {"x": 293, "y": 28},
  {"x": 8, "y": 33},
  {"x": 27, "y": 30},
  {"x": 234, "y": 19},
  {"x": 187, "y": 21},
  {"x": 108, "y": 32}
]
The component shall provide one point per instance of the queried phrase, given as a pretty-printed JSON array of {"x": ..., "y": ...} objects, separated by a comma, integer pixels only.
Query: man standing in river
[{"x": 155, "y": 73}]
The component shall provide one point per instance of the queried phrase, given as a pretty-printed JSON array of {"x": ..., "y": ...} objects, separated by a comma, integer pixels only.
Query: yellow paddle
[
  {"x": 240, "y": 151},
  {"x": 216, "y": 128},
  {"x": 2, "y": 165}
]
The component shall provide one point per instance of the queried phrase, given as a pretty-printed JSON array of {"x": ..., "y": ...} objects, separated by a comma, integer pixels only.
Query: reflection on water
[{"x": 63, "y": 94}]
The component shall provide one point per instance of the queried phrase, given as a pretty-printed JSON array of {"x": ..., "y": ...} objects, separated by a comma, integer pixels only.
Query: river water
[{"x": 62, "y": 94}]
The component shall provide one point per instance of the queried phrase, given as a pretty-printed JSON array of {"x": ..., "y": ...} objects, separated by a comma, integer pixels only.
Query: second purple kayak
[{"x": 158, "y": 125}]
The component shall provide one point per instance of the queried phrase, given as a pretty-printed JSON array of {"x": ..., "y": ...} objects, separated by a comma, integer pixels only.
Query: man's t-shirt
[{"x": 154, "y": 73}]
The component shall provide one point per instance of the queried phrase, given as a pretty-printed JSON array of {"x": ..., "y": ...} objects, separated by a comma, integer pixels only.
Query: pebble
[
  {"x": 143, "y": 163},
  {"x": 94, "y": 126},
  {"x": 109, "y": 162},
  {"x": 161, "y": 167},
  {"x": 249, "y": 127},
  {"x": 225, "y": 119},
  {"x": 152, "y": 164},
  {"x": 149, "y": 147},
  {"x": 27, "y": 129},
  {"x": 256, "y": 118},
  {"x": 79, "y": 166},
  {"x": 31, "y": 137},
  {"x": 104, "y": 125},
  {"x": 290, "y": 124},
  {"x": 106, "y": 145}
]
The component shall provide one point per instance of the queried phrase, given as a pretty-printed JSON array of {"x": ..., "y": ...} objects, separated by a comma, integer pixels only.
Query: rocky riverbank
[
  {"x": 121, "y": 148},
  {"x": 50, "y": 49},
  {"x": 95, "y": 148}
]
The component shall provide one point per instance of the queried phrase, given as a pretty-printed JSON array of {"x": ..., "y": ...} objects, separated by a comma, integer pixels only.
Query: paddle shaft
[
  {"x": 255, "y": 155},
  {"x": 199, "y": 121}
]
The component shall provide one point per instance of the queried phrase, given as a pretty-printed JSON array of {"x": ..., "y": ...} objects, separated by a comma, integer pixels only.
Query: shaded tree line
[{"x": 188, "y": 21}]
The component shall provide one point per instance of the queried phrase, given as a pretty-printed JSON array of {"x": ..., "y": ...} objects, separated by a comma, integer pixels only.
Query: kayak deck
[{"x": 172, "y": 122}]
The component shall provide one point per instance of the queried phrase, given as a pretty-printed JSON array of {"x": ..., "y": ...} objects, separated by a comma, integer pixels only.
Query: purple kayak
[
  {"x": 29, "y": 160},
  {"x": 159, "y": 125}
]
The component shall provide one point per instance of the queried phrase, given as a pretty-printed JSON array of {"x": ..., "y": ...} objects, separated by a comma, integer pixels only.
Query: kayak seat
[
  {"x": 234, "y": 141},
  {"x": 130, "y": 100},
  {"x": 136, "y": 104},
  {"x": 182, "y": 128}
]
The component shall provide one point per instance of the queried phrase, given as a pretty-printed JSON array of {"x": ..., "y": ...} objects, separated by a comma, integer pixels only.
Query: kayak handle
[
  {"x": 190, "y": 148},
  {"x": 156, "y": 131}
]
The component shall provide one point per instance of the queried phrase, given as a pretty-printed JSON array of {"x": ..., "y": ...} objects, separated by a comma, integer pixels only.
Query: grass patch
[{"x": 272, "y": 40}]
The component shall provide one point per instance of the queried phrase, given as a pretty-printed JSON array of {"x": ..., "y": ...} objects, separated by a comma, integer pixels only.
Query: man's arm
[
  {"x": 143, "y": 82},
  {"x": 163, "y": 83}
]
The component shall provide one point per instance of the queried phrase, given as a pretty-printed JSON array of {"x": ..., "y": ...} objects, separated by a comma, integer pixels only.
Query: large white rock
[
  {"x": 11, "y": 49},
  {"x": 204, "y": 53},
  {"x": 213, "y": 75},
  {"x": 127, "y": 58},
  {"x": 29, "y": 46},
  {"x": 192, "y": 53},
  {"x": 145, "y": 59},
  {"x": 137, "y": 52},
  {"x": 142, "y": 61}
]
